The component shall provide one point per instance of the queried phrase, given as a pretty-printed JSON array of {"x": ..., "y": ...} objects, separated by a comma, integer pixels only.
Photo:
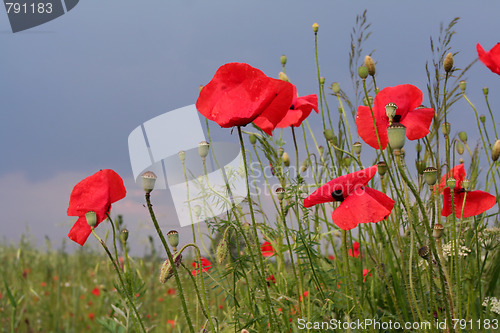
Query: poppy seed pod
[
  {"x": 283, "y": 59},
  {"x": 482, "y": 118},
  {"x": 423, "y": 252},
  {"x": 462, "y": 84},
  {"x": 495, "y": 151},
  {"x": 252, "y": 138},
  {"x": 370, "y": 65},
  {"x": 356, "y": 147},
  {"x": 466, "y": 184},
  {"x": 451, "y": 183},
  {"x": 286, "y": 159},
  {"x": 382, "y": 168},
  {"x": 420, "y": 164},
  {"x": 445, "y": 128},
  {"x": 363, "y": 72},
  {"x": 397, "y": 136},
  {"x": 91, "y": 218},
  {"x": 182, "y": 155},
  {"x": 460, "y": 147},
  {"x": 167, "y": 270},
  {"x": 329, "y": 134},
  {"x": 283, "y": 77},
  {"x": 315, "y": 27},
  {"x": 148, "y": 181},
  {"x": 390, "y": 111},
  {"x": 430, "y": 175},
  {"x": 304, "y": 165},
  {"x": 124, "y": 235},
  {"x": 448, "y": 62},
  {"x": 203, "y": 149},
  {"x": 322, "y": 80},
  {"x": 335, "y": 87},
  {"x": 321, "y": 149},
  {"x": 173, "y": 239},
  {"x": 463, "y": 136},
  {"x": 280, "y": 193},
  {"x": 486, "y": 91},
  {"x": 437, "y": 231}
]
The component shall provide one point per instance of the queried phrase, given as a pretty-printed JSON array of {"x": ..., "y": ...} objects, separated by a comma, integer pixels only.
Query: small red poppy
[
  {"x": 171, "y": 322},
  {"x": 355, "y": 251},
  {"x": 476, "y": 202},
  {"x": 171, "y": 291},
  {"x": 299, "y": 110},
  {"x": 96, "y": 291},
  {"x": 271, "y": 278},
  {"x": 267, "y": 249},
  {"x": 239, "y": 94},
  {"x": 365, "y": 273},
  {"x": 359, "y": 204},
  {"x": 205, "y": 266},
  {"x": 408, "y": 99},
  {"x": 95, "y": 193},
  {"x": 491, "y": 58}
]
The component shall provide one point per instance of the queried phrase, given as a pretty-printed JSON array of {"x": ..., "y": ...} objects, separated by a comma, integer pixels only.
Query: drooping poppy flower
[
  {"x": 267, "y": 249},
  {"x": 299, "y": 110},
  {"x": 239, "y": 94},
  {"x": 355, "y": 251},
  {"x": 408, "y": 99},
  {"x": 358, "y": 203},
  {"x": 476, "y": 202},
  {"x": 205, "y": 266},
  {"x": 95, "y": 193},
  {"x": 491, "y": 58}
]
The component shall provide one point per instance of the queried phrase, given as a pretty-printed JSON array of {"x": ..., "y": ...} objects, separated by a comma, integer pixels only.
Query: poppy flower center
[
  {"x": 292, "y": 107},
  {"x": 397, "y": 118},
  {"x": 337, "y": 195}
]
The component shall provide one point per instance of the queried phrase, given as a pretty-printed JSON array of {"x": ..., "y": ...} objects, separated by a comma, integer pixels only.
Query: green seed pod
[
  {"x": 91, "y": 218},
  {"x": 382, "y": 168},
  {"x": 335, "y": 87},
  {"x": 423, "y": 252},
  {"x": 253, "y": 138},
  {"x": 363, "y": 72},
  {"x": 482, "y": 118},
  {"x": 223, "y": 247},
  {"x": 390, "y": 110},
  {"x": 460, "y": 147},
  {"x": 420, "y": 164},
  {"x": 321, "y": 149},
  {"x": 495, "y": 151},
  {"x": 203, "y": 149},
  {"x": 466, "y": 184},
  {"x": 448, "y": 63},
  {"x": 451, "y": 183},
  {"x": 356, "y": 147},
  {"x": 283, "y": 59},
  {"x": 173, "y": 239},
  {"x": 347, "y": 161},
  {"x": 397, "y": 135},
  {"x": 124, "y": 235},
  {"x": 167, "y": 270},
  {"x": 486, "y": 91},
  {"x": 148, "y": 181},
  {"x": 445, "y": 128},
  {"x": 286, "y": 159},
  {"x": 430, "y": 175},
  {"x": 329, "y": 134},
  {"x": 463, "y": 136},
  {"x": 280, "y": 193},
  {"x": 322, "y": 80},
  {"x": 437, "y": 231},
  {"x": 370, "y": 65},
  {"x": 462, "y": 84}
]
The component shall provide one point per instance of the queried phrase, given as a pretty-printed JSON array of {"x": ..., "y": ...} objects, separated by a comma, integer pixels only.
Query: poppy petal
[
  {"x": 365, "y": 205},
  {"x": 366, "y": 130},
  {"x": 417, "y": 123},
  {"x": 458, "y": 172},
  {"x": 490, "y": 59},
  {"x": 406, "y": 96},
  {"x": 446, "y": 202},
  {"x": 476, "y": 202},
  {"x": 80, "y": 231},
  {"x": 303, "y": 107}
]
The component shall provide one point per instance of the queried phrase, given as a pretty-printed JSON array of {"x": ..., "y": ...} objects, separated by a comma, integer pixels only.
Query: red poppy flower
[
  {"x": 171, "y": 322},
  {"x": 299, "y": 110},
  {"x": 205, "y": 266},
  {"x": 476, "y": 202},
  {"x": 271, "y": 278},
  {"x": 171, "y": 291},
  {"x": 96, "y": 291},
  {"x": 365, "y": 273},
  {"x": 491, "y": 58},
  {"x": 407, "y": 98},
  {"x": 355, "y": 252},
  {"x": 267, "y": 249},
  {"x": 358, "y": 203},
  {"x": 239, "y": 94},
  {"x": 95, "y": 193}
]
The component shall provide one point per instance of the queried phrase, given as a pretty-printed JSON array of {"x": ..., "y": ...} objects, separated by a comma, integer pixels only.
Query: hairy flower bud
[
  {"x": 124, "y": 235},
  {"x": 370, "y": 65},
  {"x": 460, "y": 147},
  {"x": 148, "y": 181},
  {"x": 280, "y": 151},
  {"x": 253, "y": 138},
  {"x": 463, "y": 136},
  {"x": 445, "y": 128},
  {"x": 286, "y": 159},
  {"x": 280, "y": 193},
  {"x": 482, "y": 118},
  {"x": 315, "y": 27},
  {"x": 322, "y": 80},
  {"x": 420, "y": 164},
  {"x": 284, "y": 77},
  {"x": 304, "y": 165},
  {"x": 223, "y": 247},
  {"x": 448, "y": 62},
  {"x": 462, "y": 84},
  {"x": 329, "y": 134},
  {"x": 167, "y": 270},
  {"x": 363, "y": 72},
  {"x": 321, "y": 149},
  {"x": 486, "y": 91},
  {"x": 418, "y": 147},
  {"x": 335, "y": 87},
  {"x": 283, "y": 59},
  {"x": 495, "y": 151}
]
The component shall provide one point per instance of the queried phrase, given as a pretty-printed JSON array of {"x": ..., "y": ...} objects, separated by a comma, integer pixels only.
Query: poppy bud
[
  {"x": 167, "y": 270},
  {"x": 448, "y": 62},
  {"x": 197, "y": 211},
  {"x": 418, "y": 147},
  {"x": 451, "y": 182},
  {"x": 466, "y": 184},
  {"x": 437, "y": 231},
  {"x": 280, "y": 193},
  {"x": 286, "y": 159},
  {"x": 173, "y": 239},
  {"x": 283, "y": 59},
  {"x": 445, "y": 128},
  {"x": 148, "y": 181},
  {"x": 124, "y": 235},
  {"x": 420, "y": 164},
  {"x": 253, "y": 138},
  {"x": 482, "y": 118},
  {"x": 329, "y": 134},
  {"x": 368, "y": 101},
  {"x": 461, "y": 161},
  {"x": 321, "y": 149},
  {"x": 200, "y": 87},
  {"x": 280, "y": 151},
  {"x": 284, "y": 77},
  {"x": 203, "y": 149},
  {"x": 423, "y": 252},
  {"x": 397, "y": 135},
  {"x": 430, "y": 175},
  {"x": 363, "y": 72},
  {"x": 322, "y": 80},
  {"x": 182, "y": 155},
  {"x": 91, "y": 218},
  {"x": 357, "y": 147},
  {"x": 304, "y": 165},
  {"x": 382, "y": 168},
  {"x": 335, "y": 87},
  {"x": 370, "y": 65},
  {"x": 462, "y": 84},
  {"x": 486, "y": 91},
  {"x": 315, "y": 27},
  {"x": 460, "y": 147},
  {"x": 390, "y": 111},
  {"x": 495, "y": 151},
  {"x": 463, "y": 136},
  {"x": 347, "y": 161},
  {"x": 222, "y": 248}
]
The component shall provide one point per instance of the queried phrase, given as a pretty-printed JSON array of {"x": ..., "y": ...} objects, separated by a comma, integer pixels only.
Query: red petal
[
  {"x": 406, "y": 96},
  {"x": 491, "y": 58},
  {"x": 366, "y": 130},
  {"x": 458, "y": 172},
  {"x": 267, "y": 249},
  {"x": 278, "y": 108},
  {"x": 446, "y": 202},
  {"x": 347, "y": 184},
  {"x": 476, "y": 202},
  {"x": 80, "y": 231},
  {"x": 417, "y": 123}
]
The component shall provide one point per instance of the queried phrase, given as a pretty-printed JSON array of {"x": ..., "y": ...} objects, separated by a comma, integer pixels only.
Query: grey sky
[{"x": 73, "y": 89}]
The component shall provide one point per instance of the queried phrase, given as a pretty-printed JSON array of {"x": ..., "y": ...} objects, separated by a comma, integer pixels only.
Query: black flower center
[
  {"x": 337, "y": 195},
  {"x": 396, "y": 119},
  {"x": 292, "y": 107}
]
